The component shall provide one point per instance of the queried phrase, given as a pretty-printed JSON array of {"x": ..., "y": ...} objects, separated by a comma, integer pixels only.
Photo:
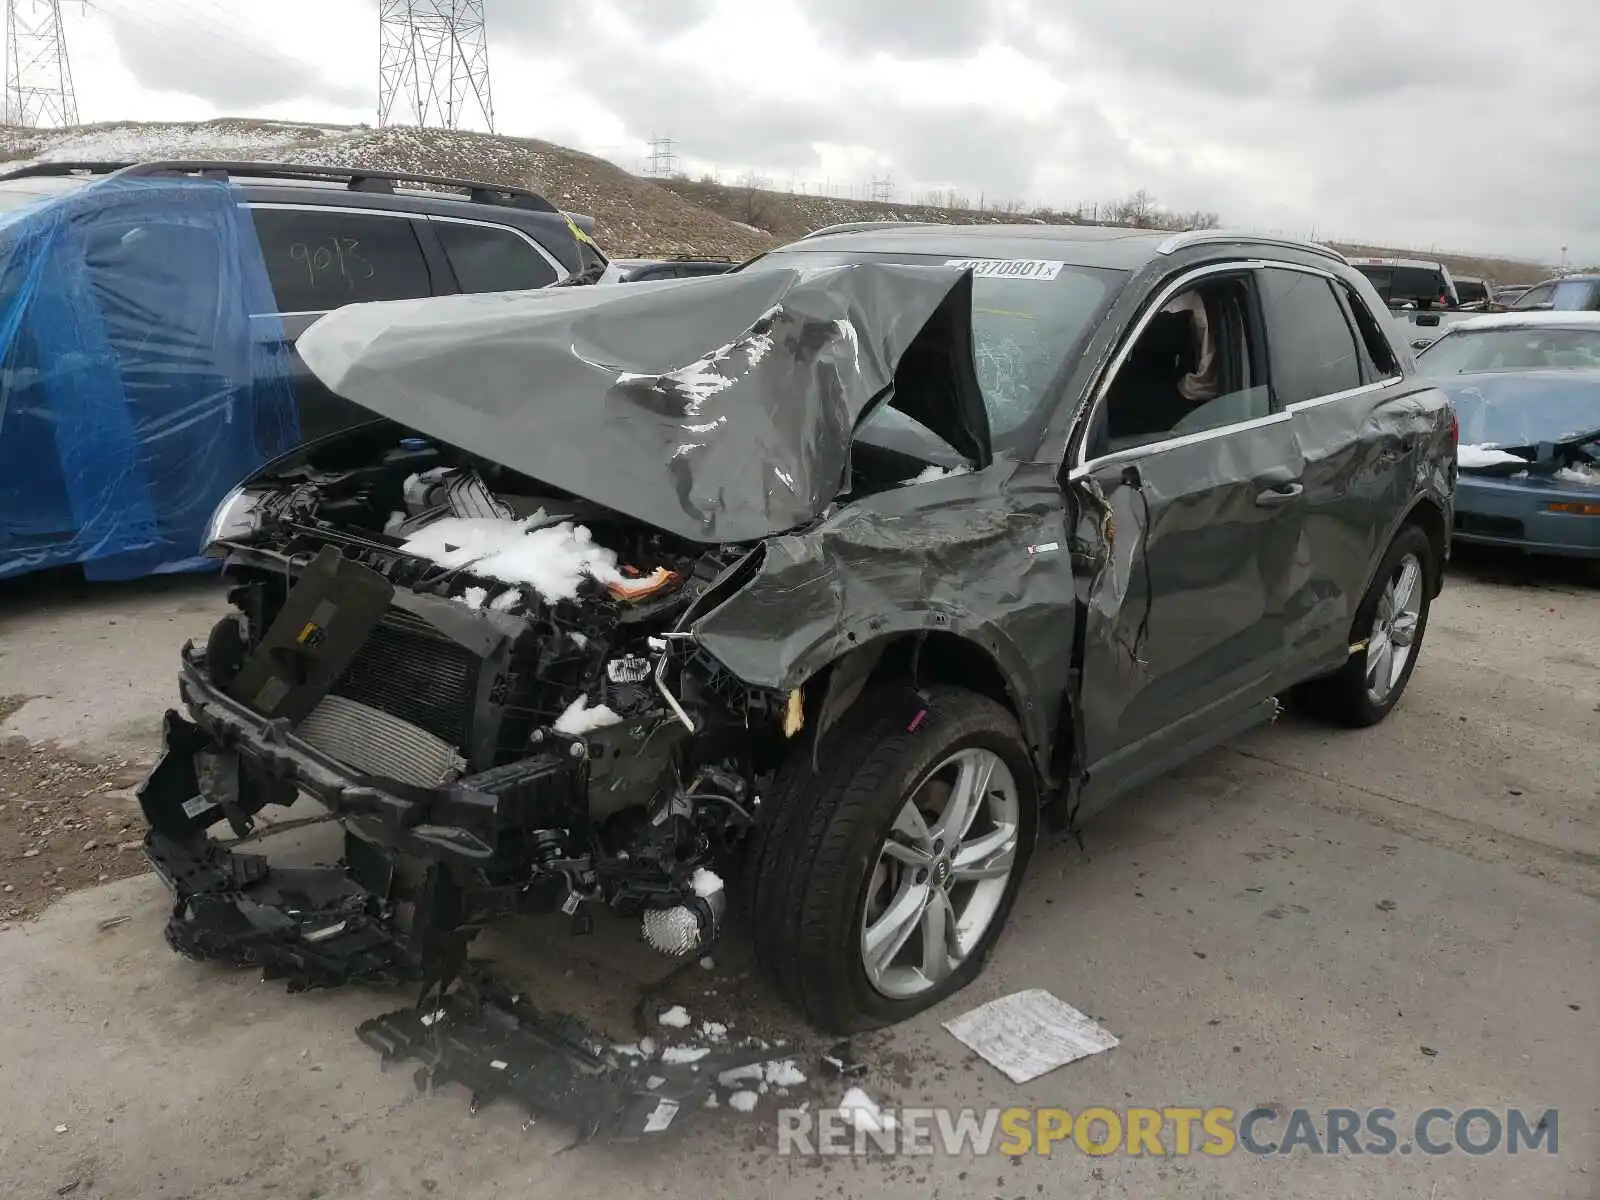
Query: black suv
[
  {"x": 832, "y": 576},
  {"x": 333, "y": 236}
]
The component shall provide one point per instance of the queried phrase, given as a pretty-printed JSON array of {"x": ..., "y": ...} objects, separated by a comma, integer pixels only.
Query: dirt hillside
[{"x": 635, "y": 216}]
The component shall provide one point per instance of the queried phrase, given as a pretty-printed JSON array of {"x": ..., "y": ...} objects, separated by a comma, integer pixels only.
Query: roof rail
[
  {"x": 356, "y": 179},
  {"x": 1198, "y": 237},
  {"x": 862, "y": 226}
]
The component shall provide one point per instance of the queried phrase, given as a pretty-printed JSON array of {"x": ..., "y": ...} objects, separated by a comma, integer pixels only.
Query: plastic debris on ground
[
  {"x": 1029, "y": 1034},
  {"x": 553, "y": 560}
]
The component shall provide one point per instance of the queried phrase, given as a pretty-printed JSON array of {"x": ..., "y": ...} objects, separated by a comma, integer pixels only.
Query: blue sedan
[{"x": 1526, "y": 389}]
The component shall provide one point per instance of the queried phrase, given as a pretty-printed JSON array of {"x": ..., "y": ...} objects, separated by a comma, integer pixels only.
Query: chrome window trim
[
  {"x": 1166, "y": 293},
  {"x": 1139, "y": 326},
  {"x": 1188, "y": 439}
]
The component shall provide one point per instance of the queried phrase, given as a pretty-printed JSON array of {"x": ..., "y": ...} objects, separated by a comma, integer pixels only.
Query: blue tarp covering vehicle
[{"x": 138, "y": 382}]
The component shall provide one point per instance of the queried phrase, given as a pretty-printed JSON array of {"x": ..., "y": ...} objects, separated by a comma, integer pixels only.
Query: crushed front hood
[{"x": 718, "y": 409}]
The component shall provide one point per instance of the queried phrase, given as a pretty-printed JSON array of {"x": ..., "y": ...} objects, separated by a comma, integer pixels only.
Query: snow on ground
[
  {"x": 684, "y": 1054},
  {"x": 862, "y": 1111},
  {"x": 1485, "y": 456},
  {"x": 676, "y": 1017},
  {"x": 744, "y": 1101}
]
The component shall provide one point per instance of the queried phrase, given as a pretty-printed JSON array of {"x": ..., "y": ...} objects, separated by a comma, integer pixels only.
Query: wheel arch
[{"x": 942, "y": 655}]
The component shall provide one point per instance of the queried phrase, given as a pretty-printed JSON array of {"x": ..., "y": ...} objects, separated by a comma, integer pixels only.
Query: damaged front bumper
[{"x": 421, "y": 867}]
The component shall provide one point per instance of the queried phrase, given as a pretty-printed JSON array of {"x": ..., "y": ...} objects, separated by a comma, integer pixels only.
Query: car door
[
  {"x": 1361, "y": 425},
  {"x": 319, "y": 258},
  {"x": 1182, "y": 550}
]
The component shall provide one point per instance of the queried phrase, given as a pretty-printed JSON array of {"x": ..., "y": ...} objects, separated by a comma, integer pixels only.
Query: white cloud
[{"x": 1362, "y": 120}]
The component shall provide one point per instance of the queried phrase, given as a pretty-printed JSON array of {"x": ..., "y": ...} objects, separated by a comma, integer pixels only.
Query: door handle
[{"x": 1280, "y": 494}]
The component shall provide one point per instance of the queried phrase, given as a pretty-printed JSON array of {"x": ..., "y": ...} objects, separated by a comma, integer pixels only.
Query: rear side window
[
  {"x": 486, "y": 259},
  {"x": 1313, "y": 349},
  {"x": 1377, "y": 355},
  {"x": 323, "y": 260}
]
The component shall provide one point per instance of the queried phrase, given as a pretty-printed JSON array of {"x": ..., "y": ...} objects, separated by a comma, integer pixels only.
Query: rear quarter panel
[{"x": 1371, "y": 457}]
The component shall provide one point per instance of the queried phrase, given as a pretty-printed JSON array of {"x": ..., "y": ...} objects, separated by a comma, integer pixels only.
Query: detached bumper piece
[
  {"x": 495, "y": 1044},
  {"x": 313, "y": 927}
]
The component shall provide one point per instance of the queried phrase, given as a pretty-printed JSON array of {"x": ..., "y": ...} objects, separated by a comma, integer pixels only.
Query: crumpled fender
[{"x": 993, "y": 571}]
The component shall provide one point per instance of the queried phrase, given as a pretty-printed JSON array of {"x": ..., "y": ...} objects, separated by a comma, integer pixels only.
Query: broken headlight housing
[{"x": 238, "y": 515}]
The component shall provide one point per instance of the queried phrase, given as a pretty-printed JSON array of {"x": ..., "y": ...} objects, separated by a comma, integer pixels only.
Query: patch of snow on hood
[
  {"x": 1471, "y": 457},
  {"x": 580, "y": 719},
  {"x": 553, "y": 560},
  {"x": 700, "y": 380}
]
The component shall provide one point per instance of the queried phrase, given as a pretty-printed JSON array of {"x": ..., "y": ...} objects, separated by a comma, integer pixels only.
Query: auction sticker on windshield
[{"x": 1010, "y": 268}]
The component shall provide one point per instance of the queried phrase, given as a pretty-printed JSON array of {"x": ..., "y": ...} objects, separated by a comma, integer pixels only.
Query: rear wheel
[
  {"x": 1391, "y": 621},
  {"x": 884, "y": 876}
]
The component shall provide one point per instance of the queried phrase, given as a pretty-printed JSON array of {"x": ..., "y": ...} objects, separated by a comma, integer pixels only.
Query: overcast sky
[{"x": 1455, "y": 124}]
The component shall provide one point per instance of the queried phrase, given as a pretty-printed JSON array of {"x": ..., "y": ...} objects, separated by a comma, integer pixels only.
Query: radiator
[
  {"x": 376, "y": 743},
  {"x": 410, "y": 671}
]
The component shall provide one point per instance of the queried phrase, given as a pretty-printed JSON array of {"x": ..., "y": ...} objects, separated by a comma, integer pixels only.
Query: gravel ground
[{"x": 1403, "y": 916}]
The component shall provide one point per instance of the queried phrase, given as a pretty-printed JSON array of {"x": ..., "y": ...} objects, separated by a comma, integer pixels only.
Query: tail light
[{"x": 1455, "y": 427}]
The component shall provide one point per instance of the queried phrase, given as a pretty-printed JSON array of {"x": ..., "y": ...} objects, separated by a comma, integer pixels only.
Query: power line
[
  {"x": 433, "y": 62},
  {"x": 38, "y": 73}
]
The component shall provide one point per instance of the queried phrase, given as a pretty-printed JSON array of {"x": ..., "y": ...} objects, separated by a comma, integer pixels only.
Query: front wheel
[
  {"x": 1391, "y": 620},
  {"x": 885, "y": 873}
]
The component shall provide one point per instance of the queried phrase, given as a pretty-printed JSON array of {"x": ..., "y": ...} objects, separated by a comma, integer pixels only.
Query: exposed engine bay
[{"x": 488, "y": 685}]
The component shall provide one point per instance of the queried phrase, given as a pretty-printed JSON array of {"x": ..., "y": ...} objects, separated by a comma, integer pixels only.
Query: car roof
[
  {"x": 1551, "y": 319},
  {"x": 1113, "y": 247}
]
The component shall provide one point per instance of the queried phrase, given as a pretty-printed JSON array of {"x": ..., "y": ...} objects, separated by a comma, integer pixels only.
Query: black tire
[
  {"x": 1342, "y": 698},
  {"x": 821, "y": 830}
]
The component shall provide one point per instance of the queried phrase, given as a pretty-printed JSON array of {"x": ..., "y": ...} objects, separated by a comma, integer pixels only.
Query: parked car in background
[
  {"x": 1526, "y": 391},
  {"x": 1567, "y": 293},
  {"x": 835, "y": 576},
  {"x": 1474, "y": 294},
  {"x": 180, "y": 287},
  {"x": 1399, "y": 281},
  {"x": 1420, "y": 294},
  {"x": 641, "y": 270},
  {"x": 1507, "y": 294}
]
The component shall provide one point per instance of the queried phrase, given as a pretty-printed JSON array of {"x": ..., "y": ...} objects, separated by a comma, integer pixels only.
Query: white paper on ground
[{"x": 1029, "y": 1034}]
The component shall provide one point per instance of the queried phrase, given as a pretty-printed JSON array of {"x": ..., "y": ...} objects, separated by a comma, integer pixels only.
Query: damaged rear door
[{"x": 1187, "y": 515}]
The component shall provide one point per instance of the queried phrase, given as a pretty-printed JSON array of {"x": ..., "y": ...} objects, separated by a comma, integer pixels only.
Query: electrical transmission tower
[
  {"x": 38, "y": 75},
  {"x": 433, "y": 62},
  {"x": 663, "y": 161}
]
